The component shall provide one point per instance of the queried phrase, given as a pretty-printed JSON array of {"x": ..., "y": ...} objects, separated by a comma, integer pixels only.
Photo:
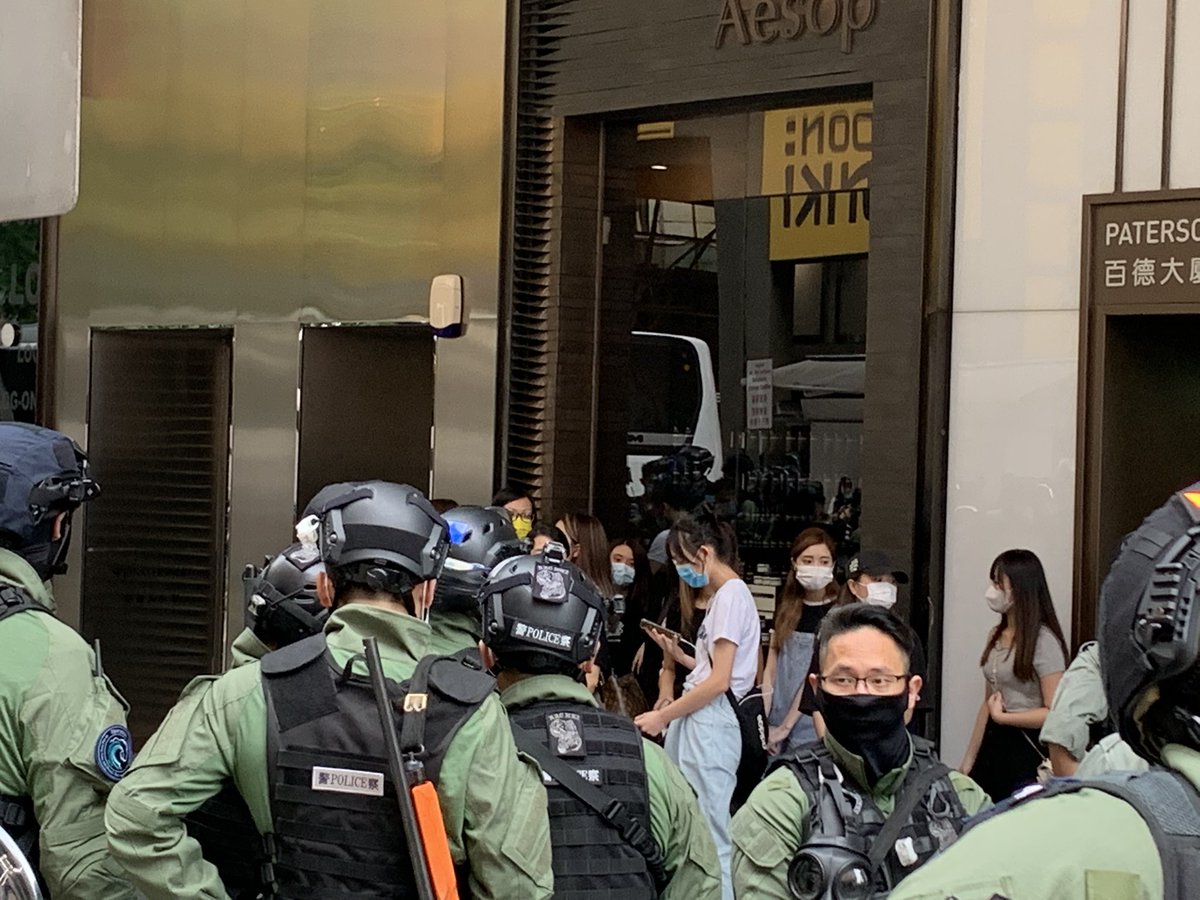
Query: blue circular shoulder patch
[{"x": 114, "y": 752}]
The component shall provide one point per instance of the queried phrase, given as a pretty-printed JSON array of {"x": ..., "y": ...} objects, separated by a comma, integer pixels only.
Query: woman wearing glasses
[
  {"x": 520, "y": 508},
  {"x": 861, "y": 769}
]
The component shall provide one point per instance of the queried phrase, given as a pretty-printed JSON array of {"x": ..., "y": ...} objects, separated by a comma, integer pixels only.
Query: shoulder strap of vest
[
  {"x": 613, "y": 812},
  {"x": 921, "y": 776},
  {"x": 813, "y": 765},
  {"x": 1054, "y": 788},
  {"x": 294, "y": 656},
  {"x": 803, "y": 762},
  {"x": 416, "y": 701},
  {"x": 459, "y": 678},
  {"x": 923, "y": 750},
  {"x": 297, "y": 683},
  {"x": 462, "y": 677},
  {"x": 14, "y": 600}
]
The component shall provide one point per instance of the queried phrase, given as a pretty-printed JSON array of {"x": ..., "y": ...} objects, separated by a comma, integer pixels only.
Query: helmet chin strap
[{"x": 49, "y": 556}]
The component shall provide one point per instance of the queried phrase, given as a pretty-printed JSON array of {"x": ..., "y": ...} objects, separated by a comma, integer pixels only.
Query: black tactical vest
[
  {"x": 230, "y": 841},
  {"x": 591, "y": 859},
  {"x": 936, "y": 821},
  {"x": 337, "y": 822}
]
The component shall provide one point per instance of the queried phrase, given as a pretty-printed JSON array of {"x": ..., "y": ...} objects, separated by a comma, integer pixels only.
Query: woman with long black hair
[
  {"x": 1022, "y": 662},
  {"x": 703, "y": 735}
]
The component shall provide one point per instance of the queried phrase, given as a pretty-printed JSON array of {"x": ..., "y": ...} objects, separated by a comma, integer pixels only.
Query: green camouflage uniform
[
  {"x": 1081, "y": 846},
  {"x": 453, "y": 631},
  {"x": 53, "y": 708},
  {"x": 1078, "y": 703},
  {"x": 493, "y": 801}
]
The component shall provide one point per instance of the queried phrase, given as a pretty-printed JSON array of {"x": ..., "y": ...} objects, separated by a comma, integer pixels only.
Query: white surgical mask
[
  {"x": 999, "y": 601},
  {"x": 622, "y": 574},
  {"x": 881, "y": 593},
  {"x": 814, "y": 578}
]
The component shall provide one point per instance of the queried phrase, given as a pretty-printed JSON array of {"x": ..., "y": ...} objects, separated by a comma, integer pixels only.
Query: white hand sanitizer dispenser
[{"x": 447, "y": 314}]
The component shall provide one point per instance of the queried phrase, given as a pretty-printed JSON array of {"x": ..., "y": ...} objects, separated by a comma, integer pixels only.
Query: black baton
[{"x": 391, "y": 740}]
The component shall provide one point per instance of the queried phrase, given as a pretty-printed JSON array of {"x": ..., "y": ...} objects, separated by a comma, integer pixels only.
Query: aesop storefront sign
[{"x": 765, "y": 21}]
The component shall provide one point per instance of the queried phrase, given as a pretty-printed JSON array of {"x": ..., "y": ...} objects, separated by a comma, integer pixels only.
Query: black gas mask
[{"x": 829, "y": 868}]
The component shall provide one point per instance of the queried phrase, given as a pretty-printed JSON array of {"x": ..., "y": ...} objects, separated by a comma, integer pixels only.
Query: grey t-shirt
[{"x": 1048, "y": 659}]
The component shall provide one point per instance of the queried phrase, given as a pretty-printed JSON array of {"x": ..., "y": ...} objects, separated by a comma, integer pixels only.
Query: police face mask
[
  {"x": 622, "y": 574},
  {"x": 869, "y": 726}
]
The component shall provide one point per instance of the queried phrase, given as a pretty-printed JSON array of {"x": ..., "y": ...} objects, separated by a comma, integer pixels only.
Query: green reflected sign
[{"x": 20, "y": 293}]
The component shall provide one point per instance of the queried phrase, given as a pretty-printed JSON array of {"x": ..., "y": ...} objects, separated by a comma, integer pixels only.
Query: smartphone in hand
[{"x": 650, "y": 625}]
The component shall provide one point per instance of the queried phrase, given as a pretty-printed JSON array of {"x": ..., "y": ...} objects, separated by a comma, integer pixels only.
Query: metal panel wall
[{"x": 266, "y": 163}]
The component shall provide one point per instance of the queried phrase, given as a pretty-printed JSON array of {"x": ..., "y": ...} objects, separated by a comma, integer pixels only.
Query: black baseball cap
[{"x": 874, "y": 563}]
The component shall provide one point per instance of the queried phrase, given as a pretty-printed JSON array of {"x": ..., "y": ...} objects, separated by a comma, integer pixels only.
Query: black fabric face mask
[{"x": 869, "y": 726}]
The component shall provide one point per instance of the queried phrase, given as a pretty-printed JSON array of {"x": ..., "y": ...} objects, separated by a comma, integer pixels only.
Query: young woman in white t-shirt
[{"x": 703, "y": 737}]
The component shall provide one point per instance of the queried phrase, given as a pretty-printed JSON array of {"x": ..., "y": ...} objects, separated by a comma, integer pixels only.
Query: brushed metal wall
[{"x": 269, "y": 163}]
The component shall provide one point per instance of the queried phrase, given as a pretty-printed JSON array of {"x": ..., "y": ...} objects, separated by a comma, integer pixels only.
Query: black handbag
[{"x": 751, "y": 714}]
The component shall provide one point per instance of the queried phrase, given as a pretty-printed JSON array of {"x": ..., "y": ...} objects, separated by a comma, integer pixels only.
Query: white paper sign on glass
[{"x": 758, "y": 394}]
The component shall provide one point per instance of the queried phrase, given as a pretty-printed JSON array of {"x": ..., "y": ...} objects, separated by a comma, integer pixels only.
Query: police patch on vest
[
  {"x": 347, "y": 781},
  {"x": 566, "y": 733},
  {"x": 547, "y": 637},
  {"x": 114, "y": 752}
]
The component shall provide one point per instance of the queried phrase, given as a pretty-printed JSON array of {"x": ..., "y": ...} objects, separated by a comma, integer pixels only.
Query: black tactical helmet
[
  {"x": 325, "y": 494},
  {"x": 281, "y": 598},
  {"x": 1150, "y": 628},
  {"x": 480, "y": 538},
  {"x": 543, "y": 610},
  {"x": 42, "y": 473},
  {"x": 383, "y": 536}
]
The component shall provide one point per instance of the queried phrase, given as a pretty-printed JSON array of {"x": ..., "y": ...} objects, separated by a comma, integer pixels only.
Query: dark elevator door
[
  {"x": 1151, "y": 432},
  {"x": 366, "y": 406}
]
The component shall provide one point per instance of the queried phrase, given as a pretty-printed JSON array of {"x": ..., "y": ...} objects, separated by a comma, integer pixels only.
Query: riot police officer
[
  {"x": 480, "y": 538},
  {"x": 299, "y": 735},
  {"x": 623, "y": 821},
  {"x": 281, "y": 603},
  {"x": 1118, "y": 835},
  {"x": 63, "y": 740},
  {"x": 869, "y": 803},
  {"x": 282, "y": 608}
]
